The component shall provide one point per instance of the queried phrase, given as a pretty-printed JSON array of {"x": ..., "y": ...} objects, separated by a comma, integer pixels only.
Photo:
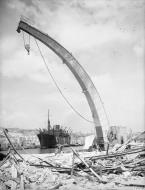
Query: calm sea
[{"x": 45, "y": 151}]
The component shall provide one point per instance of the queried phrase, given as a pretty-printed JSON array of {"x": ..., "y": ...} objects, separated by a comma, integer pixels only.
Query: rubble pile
[
  {"x": 50, "y": 171},
  {"x": 119, "y": 169},
  {"x": 127, "y": 167}
]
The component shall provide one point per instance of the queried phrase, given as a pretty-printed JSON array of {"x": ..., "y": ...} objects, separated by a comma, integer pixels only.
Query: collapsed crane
[{"x": 80, "y": 74}]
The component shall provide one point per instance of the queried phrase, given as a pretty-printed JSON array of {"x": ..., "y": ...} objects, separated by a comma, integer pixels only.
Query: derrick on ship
[{"x": 52, "y": 136}]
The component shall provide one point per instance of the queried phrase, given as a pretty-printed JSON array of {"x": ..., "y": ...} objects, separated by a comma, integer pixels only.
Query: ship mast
[{"x": 48, "y": 126}]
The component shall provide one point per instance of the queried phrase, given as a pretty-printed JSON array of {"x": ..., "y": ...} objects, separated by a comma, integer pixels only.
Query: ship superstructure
[{"x": 50, "y": 137}]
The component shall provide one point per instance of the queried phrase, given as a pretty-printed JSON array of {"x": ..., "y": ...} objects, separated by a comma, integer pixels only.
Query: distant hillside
[{"x": 23, "y": 131}]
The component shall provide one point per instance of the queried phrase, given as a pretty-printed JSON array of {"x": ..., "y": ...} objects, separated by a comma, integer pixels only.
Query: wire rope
[
  {"x": 67, "y": 101},
  {"x": 23, "y": 38},
  {"x": 64, "y": 97}
]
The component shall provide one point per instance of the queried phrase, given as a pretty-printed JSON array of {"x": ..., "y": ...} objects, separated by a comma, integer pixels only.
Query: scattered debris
[{"x": 66, "y": 171}]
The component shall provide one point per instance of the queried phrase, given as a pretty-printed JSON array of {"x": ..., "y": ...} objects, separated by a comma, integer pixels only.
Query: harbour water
[{"x": 46, "y": 151}]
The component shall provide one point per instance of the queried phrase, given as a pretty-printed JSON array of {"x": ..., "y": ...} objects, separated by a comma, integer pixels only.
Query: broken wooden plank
[
  {"x": 5, "y": 132},
  {"x": 123, "y": 146},
  {"x": 72, "y": 169},
  {"x": 137, "y": 183},
  {"x": 117, "y": 154},
  {"x": 98, "y": 177},
  {"x": 22, "y": 182}
]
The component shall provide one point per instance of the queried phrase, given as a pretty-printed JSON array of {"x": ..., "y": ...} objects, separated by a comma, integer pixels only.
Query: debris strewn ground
[
  {"x": 50, "y": 171},
  {"x": 120, "y": 168}
]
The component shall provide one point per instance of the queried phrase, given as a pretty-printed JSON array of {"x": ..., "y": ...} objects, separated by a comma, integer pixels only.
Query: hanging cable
[
  {"x": 27, "y": 46},
  {"x": 23, "y": 38},
  {"x": 67, "y": 101},
  {"x": 103, "y": 108},
  {"x": 29, "y": 39}
]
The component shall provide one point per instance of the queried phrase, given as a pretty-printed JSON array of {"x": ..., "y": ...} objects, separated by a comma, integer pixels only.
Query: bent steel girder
[{"x": 80, "y": 74}]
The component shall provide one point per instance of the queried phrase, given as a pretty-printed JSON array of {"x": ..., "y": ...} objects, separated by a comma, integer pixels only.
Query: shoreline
[{"x": 44, "y": 151}]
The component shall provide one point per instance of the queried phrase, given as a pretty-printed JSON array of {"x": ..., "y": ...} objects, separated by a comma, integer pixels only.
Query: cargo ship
[{"x": 52, "y": 136}]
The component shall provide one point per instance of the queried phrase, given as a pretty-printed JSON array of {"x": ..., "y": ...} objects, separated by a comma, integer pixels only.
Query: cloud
[
  {"x": 18, "y": 67},
  {"x": 14, "y": 119},
  {"x": 76, "y": 27},
  {"x": 139, "y": 50},
  {"x": 80, "y": 30},
  {"x": 122, "y": 100},
  {"x": 106, "y": 38}
]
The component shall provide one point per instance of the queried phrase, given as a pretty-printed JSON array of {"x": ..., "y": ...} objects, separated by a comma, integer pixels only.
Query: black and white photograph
[{"x": 72, "y": 96}]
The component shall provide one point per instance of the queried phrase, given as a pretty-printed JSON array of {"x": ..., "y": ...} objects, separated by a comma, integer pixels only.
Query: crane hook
[{"x": 27, "y": 47}]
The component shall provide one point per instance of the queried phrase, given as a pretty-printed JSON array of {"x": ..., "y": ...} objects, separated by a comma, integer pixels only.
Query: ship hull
[
  {"x": 50, "y": 141},
  {"x": 47, "y": 140}
]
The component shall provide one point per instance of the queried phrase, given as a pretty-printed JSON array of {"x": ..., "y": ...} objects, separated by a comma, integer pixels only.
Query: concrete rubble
[
  {"x": 120, "y": 168},
  {"x": 50, "y": 171}
]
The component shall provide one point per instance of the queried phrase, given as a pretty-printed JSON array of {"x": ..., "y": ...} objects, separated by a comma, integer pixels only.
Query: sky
[{"x": 105, "y": 36}]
